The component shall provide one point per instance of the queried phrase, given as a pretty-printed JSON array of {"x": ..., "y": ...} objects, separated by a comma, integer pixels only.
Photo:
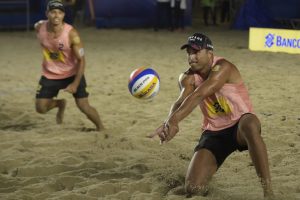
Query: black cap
[
  {"x": 55, "y": 5},
  {"x": 198, "y": 41}
]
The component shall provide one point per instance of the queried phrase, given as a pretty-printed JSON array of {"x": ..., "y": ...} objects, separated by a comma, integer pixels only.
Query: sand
[{"x": 42, "y": 160}]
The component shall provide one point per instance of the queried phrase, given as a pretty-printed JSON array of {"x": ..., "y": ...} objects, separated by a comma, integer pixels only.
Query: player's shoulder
[
  {"x": 74, "y": 36},
  {"x": 186, "y": 74},
  {"x": 73, "y": 32},
  {"x": 38, "y": 24},
  {"x": 222, "y": 64},
  {"x": 187, "y": 77}
]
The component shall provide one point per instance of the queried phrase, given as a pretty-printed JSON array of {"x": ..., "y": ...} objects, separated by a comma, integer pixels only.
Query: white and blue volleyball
[{"x": 144, "y": 83}]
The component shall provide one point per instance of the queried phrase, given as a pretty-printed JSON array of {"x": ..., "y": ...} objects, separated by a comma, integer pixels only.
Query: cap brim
[
  {"x": 190, "y": 45},
  {"x": 59, "y": 8},
  {"x": 184, "y": 46}
]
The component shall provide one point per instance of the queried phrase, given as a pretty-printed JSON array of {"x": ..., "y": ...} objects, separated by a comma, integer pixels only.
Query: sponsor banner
[{"x": 274, "y": 40}]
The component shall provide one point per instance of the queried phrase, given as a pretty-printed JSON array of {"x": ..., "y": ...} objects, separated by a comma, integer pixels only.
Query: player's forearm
[
  {"x": 173, "y": 109},
  {"x": 187, "y": 106},
  {"x": 80, "y": 72}
]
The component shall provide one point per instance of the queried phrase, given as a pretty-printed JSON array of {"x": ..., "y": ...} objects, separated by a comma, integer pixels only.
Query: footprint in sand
[
  {"x": 108, "y": 189},
  {"x": 19, "y": 127},
  {"x": 103, "y": 176}
]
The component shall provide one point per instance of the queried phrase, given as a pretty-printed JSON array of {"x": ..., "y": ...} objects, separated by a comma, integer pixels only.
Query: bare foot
[
  {"x": 61, "y": 110},
  {"x": 101, "y": 128},
  {"x": 269, "y": 195},
  {"x": 84, "y": 129},
  {"x": 268, "y": 192}
]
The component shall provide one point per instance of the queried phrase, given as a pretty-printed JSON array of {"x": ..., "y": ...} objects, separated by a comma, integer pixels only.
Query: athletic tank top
[
  {"x": 59, "y": 62},
  {"x": 225, "y": 107}
]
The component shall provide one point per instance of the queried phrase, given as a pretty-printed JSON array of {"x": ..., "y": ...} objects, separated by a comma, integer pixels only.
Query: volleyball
[{"x": 144, "y": 83}]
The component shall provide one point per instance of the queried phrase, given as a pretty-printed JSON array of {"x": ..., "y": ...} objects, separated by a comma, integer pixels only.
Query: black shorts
[
  {"x": 221, "y": 143},
  {"x": 49, "y": 88}
]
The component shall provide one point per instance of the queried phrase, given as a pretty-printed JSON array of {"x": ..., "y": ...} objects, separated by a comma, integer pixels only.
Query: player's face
[
  {"x": 55, "y": 16},
  {"x": 198, "y": 59}
]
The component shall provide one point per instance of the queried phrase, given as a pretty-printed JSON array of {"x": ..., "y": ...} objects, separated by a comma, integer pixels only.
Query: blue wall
[
  {"x": 124, "y": 13},
  {"x": 283, "y": 8},
  {"x": 265, "y": 13},
  {"x": 13, "y": 15},
  {"x": 141, "y": 13},
  {"x": 129, "y": 13}
]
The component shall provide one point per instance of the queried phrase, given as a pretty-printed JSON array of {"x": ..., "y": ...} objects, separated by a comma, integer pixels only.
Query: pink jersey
[
  {"x": 59, "y": 61},
  {"x": 224, "y": 108}
]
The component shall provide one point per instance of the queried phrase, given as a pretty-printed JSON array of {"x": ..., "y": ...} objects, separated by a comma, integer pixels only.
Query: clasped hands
[{"x": 166, "y": 131}]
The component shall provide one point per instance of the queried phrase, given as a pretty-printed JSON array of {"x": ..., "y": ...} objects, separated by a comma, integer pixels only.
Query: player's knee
[
  {"x": 41, "y": 108},
  {"x": 83, "y": 106},
  {"x": 251, "y": 128},
  {"x": 250, "y": 123}
]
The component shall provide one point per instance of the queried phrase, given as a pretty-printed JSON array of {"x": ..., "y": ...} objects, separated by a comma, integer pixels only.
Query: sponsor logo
[
  {"x": 269, "y": 40},
  {"x": 218, "y": 108},
  {"x": 280, "y": 41},
  {"x": 143, "y": 93},
  {"x": 141, "y": 84}
]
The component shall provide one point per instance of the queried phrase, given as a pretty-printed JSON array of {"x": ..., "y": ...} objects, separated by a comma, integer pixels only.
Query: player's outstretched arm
[
  {"x": 186, "y": 84},
  {"x": 212, "y": 84}
]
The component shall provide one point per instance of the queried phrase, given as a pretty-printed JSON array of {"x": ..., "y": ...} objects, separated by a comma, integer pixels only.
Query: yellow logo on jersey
[
  {"x": 38, "y": 89},
  {"x": 54, "y": 56},
  {"x": 217, "y": 107}
]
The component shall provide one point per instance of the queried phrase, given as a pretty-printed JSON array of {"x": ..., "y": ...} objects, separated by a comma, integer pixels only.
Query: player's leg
[
  {"x": 43, "y": 105},
  {"x": 201, "y": 168},
  {"x": 82, "y": 102},
  {"x": 90, "y": 112},
  {"x": 249, "y": 134},
  {"x": 47, "y": 89}
]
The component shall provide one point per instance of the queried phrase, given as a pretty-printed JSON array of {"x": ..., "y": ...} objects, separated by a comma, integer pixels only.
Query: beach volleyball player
[
  {"x": 216, "y": 86},
  {"x": 63, "y": 65}
]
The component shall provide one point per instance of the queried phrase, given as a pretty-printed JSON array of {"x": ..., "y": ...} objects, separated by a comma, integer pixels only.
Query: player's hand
[
  {"x": 165, "y": 132},
  {"x": 159, "y": 131},
  {"x": 72, "y": 88},
  {"x": 171, "y": 129}
]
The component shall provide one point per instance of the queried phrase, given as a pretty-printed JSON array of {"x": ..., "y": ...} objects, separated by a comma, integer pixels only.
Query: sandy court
[{"x": 42, "y": 160}]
